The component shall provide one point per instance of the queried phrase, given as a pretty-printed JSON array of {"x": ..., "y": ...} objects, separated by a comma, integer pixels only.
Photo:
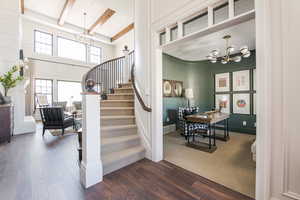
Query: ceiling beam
[
  {"x": 123, "y": 32},
  {"x": 22, "y": 6},
  {"x": 102, "y": 19},
  {"x": 64, "y": 13}
]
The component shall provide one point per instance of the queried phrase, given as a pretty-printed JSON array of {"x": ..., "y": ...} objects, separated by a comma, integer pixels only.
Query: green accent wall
[{"x": 199, "y": 75}]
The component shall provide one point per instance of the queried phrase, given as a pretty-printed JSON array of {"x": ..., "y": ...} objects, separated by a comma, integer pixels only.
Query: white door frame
[{"x": 264, "y": 88}]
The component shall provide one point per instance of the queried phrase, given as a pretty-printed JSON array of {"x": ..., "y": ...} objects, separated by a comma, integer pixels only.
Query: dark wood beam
[
  {"x": 102, "y": 19},
  {"x": 64, "y": 13},
  {"x": 123, "y": 32}
]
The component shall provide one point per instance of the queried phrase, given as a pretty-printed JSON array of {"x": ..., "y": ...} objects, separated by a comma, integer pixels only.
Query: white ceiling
[
  {"x": 94, "y": 8},
  {"x": 197, "y": 49}
]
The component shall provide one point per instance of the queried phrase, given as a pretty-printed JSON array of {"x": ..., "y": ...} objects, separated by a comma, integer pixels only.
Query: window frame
[
  {"x": 35, "y": 41},
  {"x": 86, "y": 49},
  {"x": 202, "y": 14},
  {"x": 35, "y": 93},
  {"x": 90, "y": 54}
]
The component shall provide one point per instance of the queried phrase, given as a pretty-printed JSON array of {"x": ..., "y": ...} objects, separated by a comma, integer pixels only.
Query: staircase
[{"x": 121, "y": 144}]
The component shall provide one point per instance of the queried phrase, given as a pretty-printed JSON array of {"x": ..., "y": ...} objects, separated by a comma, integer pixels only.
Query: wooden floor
[{"x": 36, "y": 168}]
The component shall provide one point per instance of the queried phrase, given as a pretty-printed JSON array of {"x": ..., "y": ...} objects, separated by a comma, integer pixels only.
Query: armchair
[
  {"x": 54, "y": 118},
  {"x": 183, "y": 126}
]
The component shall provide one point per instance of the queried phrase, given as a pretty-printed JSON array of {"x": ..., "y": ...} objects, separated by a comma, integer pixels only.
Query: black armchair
[{"x": 54, "y": 118}]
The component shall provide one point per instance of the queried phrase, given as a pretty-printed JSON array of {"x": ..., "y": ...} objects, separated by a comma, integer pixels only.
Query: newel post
[
  {"x": 91, "y": 171},
  {"x": 126, "y": 71}
]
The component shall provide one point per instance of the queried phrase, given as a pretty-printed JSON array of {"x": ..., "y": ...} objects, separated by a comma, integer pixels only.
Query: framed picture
[
  {"x": 223, "y": 100},
  {"x": 241, "y": 104},
  {"x": 177, "y": 88},
  {"x": 241, "y": 80},
  {"x": 222, "y": 83},
  {"x": 254, "y": 104},
  {"x": 254, "y": 79},
  {"x": 167, "y": 88}
]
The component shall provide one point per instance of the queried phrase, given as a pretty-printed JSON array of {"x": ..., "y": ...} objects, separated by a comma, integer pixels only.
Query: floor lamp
[{"x": 189, "y": 94}]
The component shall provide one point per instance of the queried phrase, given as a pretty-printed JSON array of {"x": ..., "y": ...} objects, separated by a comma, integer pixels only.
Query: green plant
[{"x": 9, "y": 80}]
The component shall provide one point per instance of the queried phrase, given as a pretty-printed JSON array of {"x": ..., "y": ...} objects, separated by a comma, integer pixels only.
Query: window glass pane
[
  {"x": 221, "y": 13},
  {"x": 242, "y": 6},
  {"x": 95, "y": 55},
  {"x": 71, "y": 49},
  {"x": 195, "y": 24},
  {"x": 162, "y": 38},
  {"x": 174, "y": 33},
  {"x": 43, "y": 88},
  {"x": 43, "y": 43},
  {"x": 69, "y": 91}
]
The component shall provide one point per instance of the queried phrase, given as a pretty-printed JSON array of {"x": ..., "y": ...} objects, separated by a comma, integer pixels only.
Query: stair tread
[
  {"x": 120, "y": 94},
  {"x": 128, "y": 88},
  {"x": 107, "y": 128},
  {"x": 119, "y": 139},
  {"x": 118, "y": 155},
  {"x": 117, "y": 100},
  {"x": 118, "y": 117},
  {"x": 117, "y": 108}
]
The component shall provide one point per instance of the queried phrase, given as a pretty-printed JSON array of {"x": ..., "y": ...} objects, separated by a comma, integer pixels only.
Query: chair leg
[
  {"x": 63, "y": 131},
  {"x": 44, "y": 131}
]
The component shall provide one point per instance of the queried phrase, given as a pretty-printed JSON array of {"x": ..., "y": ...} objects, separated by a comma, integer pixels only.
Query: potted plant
[{"x": 9, "y": 80}]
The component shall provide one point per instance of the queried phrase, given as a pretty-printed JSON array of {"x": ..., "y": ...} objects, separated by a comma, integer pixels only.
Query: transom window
[
  {"x": 71, "y": 49},
  {"x": 43, "y": 92},
  {"x": 95, "y": 55},
  {"x": 43, "y": 43}
]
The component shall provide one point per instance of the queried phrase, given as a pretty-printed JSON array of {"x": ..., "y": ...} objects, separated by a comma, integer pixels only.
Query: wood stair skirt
[{"x": 120, "y": 142}]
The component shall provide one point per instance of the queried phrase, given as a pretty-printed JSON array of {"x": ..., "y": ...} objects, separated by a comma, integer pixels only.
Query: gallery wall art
[
  {"x": 172, "y": 88},
  {"x": 241, "y": 80},
  {"x": 223, "y": 100},
  {"x": 241, "y": 103},
  {"x": 222, "y": 82}
]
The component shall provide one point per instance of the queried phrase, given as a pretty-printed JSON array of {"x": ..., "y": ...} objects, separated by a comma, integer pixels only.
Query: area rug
[{"x": 58, "y": 132}]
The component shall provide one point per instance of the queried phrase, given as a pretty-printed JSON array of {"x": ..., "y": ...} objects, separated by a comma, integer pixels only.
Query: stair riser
[
  {"x": 125, "y": 85},
  {"x": 118, "y": 132},
  {"x": 120, "y": 97},
  {"x": 120, "y": 122},
  {"x": 114, "y": 112},
  {"x": 116, "y": 104},
  {"x": 108, "y": 168},
  {"x": 110, "y": 148},
  {"x": 129, "y": 90}
]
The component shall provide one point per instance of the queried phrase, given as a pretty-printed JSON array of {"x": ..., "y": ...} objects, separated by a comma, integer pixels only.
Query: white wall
[{"x": 127, "y": 40}]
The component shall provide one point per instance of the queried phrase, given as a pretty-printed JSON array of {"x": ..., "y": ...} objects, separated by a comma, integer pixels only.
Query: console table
[{"x": 6, "y": 122}]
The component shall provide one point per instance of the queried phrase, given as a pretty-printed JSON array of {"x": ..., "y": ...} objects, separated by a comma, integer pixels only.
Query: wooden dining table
[{"x": 212, "y": 120}]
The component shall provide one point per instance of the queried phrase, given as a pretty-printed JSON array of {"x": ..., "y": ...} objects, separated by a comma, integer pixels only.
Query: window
[
  {"x": 162, "y": 38},
  {"x": 221, "y": 13},
  {"x": 195, "y": 24},
  {"x": 43, "y": 91},
  {"x": 174, "y": 33},
  {"x": 69, "y": 91},
  {"x": 43, "y": 43},
  {"x": 71, "y": 49},
  {"x": 242, "y": 6},
  {"x": 95, "y": 55}
]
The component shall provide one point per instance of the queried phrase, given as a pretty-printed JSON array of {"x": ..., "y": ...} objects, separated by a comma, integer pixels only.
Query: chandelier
[
  {"x": 84, "y": 37},
  {"x": 213, "y": 56}
]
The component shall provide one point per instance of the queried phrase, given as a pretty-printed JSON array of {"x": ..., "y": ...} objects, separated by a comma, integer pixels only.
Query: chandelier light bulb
[
  {"x": 247, "y": 54},
  {"x": 237, "y": 59},
  {"x": 230, "y": 49},
  {"x": 244, "y": 50},
  {"x": 213, "y": 60},
  {"x": 214, "y": 53},
  {"x": 223, "y": 61}
]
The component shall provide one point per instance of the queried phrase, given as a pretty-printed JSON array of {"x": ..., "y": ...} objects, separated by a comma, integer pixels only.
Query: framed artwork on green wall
[
  {"x": 241, "y": 103},
  {"x": 241, "y": 80},
  {"x": 167, "y": 88},
  {"x": 222, "y": 83},
  {"x": 223, "y": 100}
]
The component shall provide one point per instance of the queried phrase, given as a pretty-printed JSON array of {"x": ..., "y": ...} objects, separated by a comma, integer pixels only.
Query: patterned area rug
[{"x": 58, "y": 132}]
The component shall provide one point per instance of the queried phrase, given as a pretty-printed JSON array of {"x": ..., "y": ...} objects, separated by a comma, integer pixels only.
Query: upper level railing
[{"x": 110, "y": 74}]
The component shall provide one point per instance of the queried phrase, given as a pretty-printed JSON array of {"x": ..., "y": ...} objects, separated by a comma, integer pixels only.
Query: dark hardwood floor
[{"x": 36, "y": 168}]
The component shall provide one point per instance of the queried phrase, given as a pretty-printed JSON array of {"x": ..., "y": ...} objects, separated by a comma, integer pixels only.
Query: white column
[
  {"x": 231, "y": 8},
  {"x": 91, "y": 171},
  {"x": 126, "y": 72},
  {"x": 180, "y": 29},
  {"x": 210, "y": 13}
]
